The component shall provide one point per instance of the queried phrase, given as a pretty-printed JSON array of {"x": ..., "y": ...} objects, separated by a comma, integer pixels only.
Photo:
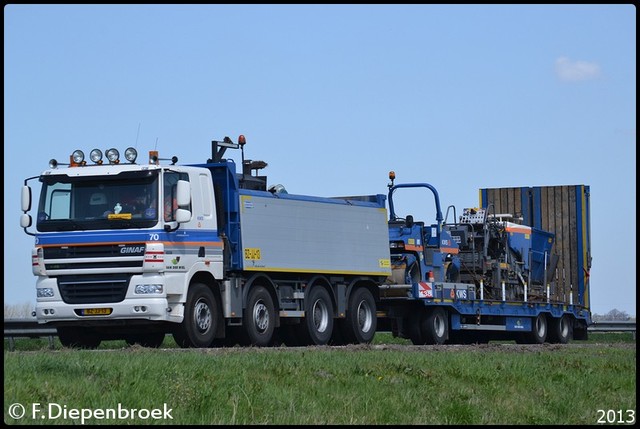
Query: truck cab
[{"x": 113, "y": 242}]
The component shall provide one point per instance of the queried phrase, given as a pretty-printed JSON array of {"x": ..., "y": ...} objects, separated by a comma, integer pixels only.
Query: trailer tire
[
  {"x": 259, "y": 318},
  {"x": 359, "y": 326},
  {"x": 435, "y": 326},
  {"x": 539, "y": 330},
  {"x": 201, "y": 318},
  {"x": 317, "y": 325},
  {"x": 561, "y": 330},
  {"x": 78, "y": 338}
]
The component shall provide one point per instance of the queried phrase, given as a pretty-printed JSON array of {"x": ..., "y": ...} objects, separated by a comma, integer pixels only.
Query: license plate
[{"x": 96, "y": 311}]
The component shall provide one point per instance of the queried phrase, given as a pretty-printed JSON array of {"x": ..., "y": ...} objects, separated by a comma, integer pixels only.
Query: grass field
[{"x": 385, "y": 383}]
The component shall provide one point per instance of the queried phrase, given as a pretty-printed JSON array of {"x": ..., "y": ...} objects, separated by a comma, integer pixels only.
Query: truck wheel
[
  {"x": 78, "y": 338},
  {"x": 560, "y": 330},
  {"x": 201, "y": 318},
  {"x": 360, "y": 324},
  {"x": 318, "y": 319},
  {"x": 538, "y": 334},
  {"x": 435, "y": 327},
  {"x": 259, "y": 318},
  {"x": 152, "y": 340}
]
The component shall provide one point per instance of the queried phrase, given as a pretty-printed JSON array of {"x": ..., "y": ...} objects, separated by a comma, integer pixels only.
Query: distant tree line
[{"x": 614, "y": 314}]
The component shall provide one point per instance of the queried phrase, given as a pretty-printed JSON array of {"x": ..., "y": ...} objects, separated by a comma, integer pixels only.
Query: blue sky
[{"x": 332, "y": 97}]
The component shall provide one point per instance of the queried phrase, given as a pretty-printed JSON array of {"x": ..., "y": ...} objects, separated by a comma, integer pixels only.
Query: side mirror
[
  {"x": 183, "y": 192},
  {"x": 183, "y": 198},
  {"x": 25, "y": 220},
  {"x": 26, "y": 198},
  {"x": 183, "y": 215}
]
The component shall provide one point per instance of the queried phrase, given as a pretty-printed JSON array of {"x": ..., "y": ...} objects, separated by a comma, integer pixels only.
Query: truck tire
[
  {"x": 151, "y": 340},
  {"x": 561, "y": 329},
  {"x": 78, "y": 338},
  {"x": 259, "y": 318},
  {"x": 359, "y": 326},
  {"x": 317, "y": 325},
  {"x": 201, "y": 318},
  {"x": 435, "y": 326}
]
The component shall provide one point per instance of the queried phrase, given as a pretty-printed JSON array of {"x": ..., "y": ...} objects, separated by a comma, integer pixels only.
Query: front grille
[
  {"x": 68, "y": 257},
  {"x": 81, "y": 265},
  {"x": 101, "y": 251},
  {"x": 93, "y": 289}
]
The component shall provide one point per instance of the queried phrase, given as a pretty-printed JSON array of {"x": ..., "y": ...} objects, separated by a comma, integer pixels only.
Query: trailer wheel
[
  {"x": 259, "y": 319},
  {"x": 360, "y": 324},
  {"x": 318, "y": 319},
  {"x": 201, "y": 317},
  {"x": 435, "y": 327},
  {"x": 539, "y": 330},
  {"x": 78, "y": 338},
  {"x": 561, "y": 329}
]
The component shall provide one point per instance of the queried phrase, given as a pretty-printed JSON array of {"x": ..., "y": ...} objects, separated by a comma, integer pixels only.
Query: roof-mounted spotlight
[
  {"x": 96, "y": 156},
  {"x": 77, "y": 158},
  {"x": 113, "y": 156},
  {"x": 131, "y": 154}
]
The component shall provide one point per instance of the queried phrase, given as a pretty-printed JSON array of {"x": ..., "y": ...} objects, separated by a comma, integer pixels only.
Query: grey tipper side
[{"x": 303, "y": 235}]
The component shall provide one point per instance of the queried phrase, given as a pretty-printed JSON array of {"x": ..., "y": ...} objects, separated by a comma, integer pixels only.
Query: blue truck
[{"x": 214, "y": 256}]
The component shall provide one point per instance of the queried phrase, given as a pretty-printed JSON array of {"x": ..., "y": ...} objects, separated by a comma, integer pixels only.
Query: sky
[{"x": 333, "y": 97}]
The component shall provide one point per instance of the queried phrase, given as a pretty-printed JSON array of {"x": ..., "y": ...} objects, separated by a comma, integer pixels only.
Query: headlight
[
  {"x": 44, "y": 292},
  {"x": 148, "y": 289}
]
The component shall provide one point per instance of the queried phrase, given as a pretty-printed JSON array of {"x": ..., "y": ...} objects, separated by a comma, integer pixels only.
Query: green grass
[{"x": 494, "y": 384}]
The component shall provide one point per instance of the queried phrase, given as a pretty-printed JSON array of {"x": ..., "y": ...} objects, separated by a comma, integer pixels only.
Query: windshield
[{"x": 125, "y": 200}]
